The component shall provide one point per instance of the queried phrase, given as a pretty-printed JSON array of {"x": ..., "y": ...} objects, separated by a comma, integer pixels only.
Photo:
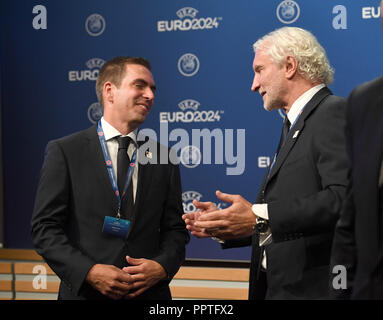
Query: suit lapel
[
  {"x": 296, "y": 130},
  {"x": 99, "y": 167}
]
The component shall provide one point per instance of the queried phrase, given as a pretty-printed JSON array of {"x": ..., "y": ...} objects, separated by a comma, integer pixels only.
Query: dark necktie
[
  {"x": 123, "y": 163},
  {"x": 285, "y": 131}
]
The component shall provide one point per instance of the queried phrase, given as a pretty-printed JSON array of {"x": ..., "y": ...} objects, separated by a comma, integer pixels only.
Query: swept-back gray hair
[{"x": 301, "y": 44}]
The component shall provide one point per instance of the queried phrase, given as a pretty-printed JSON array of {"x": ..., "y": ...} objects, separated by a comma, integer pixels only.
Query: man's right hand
[
  {"x": 192, "y": 217},
  {"x": 109, "y": 280}
]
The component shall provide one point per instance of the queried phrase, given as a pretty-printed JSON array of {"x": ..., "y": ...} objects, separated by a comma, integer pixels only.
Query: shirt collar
[
  {"x": 298, "y": 105},
  {"x": 111, "y": 132}
]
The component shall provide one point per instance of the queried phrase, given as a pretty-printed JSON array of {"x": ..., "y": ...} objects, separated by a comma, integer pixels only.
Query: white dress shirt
[
  {"x": 261, "y": 210},
  {"x": 111, "y": 134}
]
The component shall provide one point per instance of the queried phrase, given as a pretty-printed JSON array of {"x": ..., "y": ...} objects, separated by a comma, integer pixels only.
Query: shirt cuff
[{"x": 260, "y": 210}]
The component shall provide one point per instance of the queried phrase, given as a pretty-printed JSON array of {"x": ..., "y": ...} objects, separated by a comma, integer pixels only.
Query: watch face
[{"x": 262, "y": 226}]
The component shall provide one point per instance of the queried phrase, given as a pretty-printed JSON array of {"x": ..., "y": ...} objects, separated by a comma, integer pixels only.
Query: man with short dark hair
[{"x": 106, "y": 220}]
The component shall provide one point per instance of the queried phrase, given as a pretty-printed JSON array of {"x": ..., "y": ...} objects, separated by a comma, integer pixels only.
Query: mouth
[
  {"x": 262, "y": 93},
  {"x": 145, "y": 107}
]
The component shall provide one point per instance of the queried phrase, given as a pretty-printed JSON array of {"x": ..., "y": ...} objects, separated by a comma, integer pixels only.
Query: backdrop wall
[{"x": 201, "y": 53}]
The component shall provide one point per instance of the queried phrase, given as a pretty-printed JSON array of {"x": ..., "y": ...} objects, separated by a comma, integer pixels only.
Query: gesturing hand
[
  {"x": 192, "y": 217},
  {"x": 232, "y": 222}
]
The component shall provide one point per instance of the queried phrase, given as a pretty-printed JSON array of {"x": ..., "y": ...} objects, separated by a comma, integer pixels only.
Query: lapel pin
[
  {"x": 148, "y": 154},
  {"x": 295, "y": 134}
]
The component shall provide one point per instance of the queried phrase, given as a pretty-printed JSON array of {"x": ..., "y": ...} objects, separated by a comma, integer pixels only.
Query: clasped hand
[{"x": 128, "y": 282}]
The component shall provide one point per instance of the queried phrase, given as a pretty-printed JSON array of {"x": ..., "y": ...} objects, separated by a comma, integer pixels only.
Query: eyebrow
[
  {"x": 154, "y": 88},
  {"x": 257, "y": 67}
]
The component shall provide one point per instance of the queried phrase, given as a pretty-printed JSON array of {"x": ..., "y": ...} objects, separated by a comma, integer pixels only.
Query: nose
[
  {"x": 255, "y": 85},
  {"x": 149, "y": 93}
]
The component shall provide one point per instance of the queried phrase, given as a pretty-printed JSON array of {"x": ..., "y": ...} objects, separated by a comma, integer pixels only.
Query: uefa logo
[
  {"x": 187, "y": 12},
  {"x": 189, "y": 104},
  {"x": 190, "y": 156},
  {"x": 95, "y": 112},
  {"x": 188, "y": 65},
  {"x": 95, "y": 25},
  {"x": 288, "y": 11}
]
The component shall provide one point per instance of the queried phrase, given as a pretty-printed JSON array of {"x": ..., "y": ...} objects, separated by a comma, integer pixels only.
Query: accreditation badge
[{"x": 116, "y": 226}]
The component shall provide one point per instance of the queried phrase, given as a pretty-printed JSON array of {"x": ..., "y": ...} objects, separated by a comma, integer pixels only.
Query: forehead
[
  {"x": 137, "y": 71},
  {"x": 260, "y": 58}
]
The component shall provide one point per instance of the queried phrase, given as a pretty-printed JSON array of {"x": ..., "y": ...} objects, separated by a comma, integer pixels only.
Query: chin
[
  {"x": 268, "y": 108},
  {"x": 141, "y": 117},
  {"x": 272, "y": 106}
]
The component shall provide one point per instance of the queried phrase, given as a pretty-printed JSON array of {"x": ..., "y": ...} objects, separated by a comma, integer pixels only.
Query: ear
[
  {"x": 291, "y": 67},
  {"x": 108, "y": 92}
]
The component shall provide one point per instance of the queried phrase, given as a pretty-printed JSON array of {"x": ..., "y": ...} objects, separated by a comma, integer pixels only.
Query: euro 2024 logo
[
  {"x": 190, "y": 113},
  {"x": 188, "y": 21},
  {"x": 288, "y": 11},
  {"x": 94, "y": 65}
]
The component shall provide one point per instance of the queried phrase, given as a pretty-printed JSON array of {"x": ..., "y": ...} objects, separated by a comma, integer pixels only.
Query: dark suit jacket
[
  {"x": 74, "y": 196},
  {"x": 359, "y": 234},
  {"x": 304, "y": 194}
]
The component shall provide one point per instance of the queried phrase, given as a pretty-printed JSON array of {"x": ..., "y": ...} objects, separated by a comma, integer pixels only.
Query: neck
[{"x": 297, "y": 90}]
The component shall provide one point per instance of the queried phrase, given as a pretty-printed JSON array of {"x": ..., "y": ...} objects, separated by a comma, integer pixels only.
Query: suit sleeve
[
  {"x": 317, "y": 213},
  {"x": 173, "y": 233},
  {"x": 49, "y": 221}
]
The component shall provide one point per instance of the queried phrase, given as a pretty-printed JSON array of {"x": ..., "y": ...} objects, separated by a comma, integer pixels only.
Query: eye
[{"x": 258, "y": 70}]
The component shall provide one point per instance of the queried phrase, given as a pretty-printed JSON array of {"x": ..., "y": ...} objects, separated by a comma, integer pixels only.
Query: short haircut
[
  {"x": 114, "y": 71},
  {"x": 301, "y": 44}
]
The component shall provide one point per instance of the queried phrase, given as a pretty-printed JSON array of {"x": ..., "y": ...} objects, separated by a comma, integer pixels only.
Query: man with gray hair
[{"x": 291, "y": 224}]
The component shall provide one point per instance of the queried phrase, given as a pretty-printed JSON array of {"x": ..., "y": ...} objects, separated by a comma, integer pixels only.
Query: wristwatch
[
  {"x": 261, "y": 226},
  {"x": 218, "y": 240}
]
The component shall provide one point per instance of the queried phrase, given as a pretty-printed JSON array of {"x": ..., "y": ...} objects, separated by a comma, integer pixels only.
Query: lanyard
[{"x": 109, "y": 167}]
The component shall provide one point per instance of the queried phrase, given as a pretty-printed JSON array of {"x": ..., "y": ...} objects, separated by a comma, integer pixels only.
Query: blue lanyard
[{"x": 109, "y": 167}]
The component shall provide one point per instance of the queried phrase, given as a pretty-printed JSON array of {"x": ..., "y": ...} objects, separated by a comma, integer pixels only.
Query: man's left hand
[
  {"x": 233, "y": 222},
  {"x": 145, "y": 274}
]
